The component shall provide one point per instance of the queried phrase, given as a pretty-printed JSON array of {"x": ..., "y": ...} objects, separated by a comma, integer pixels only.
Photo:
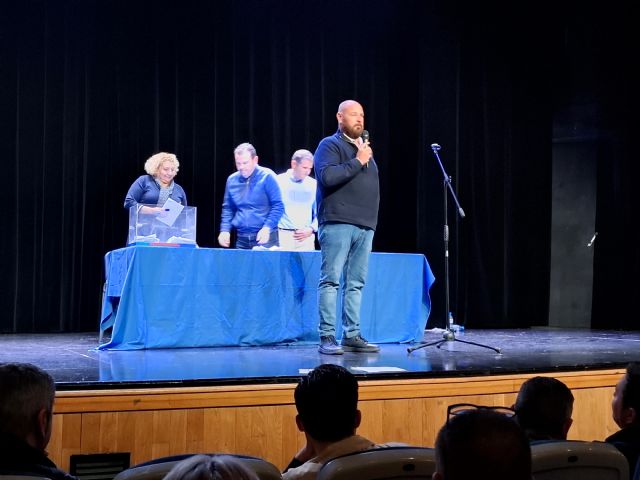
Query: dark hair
[
  {"x": 631, "y": 391},
  {"x": 483, "y": 441},
  {"x": 327, "y": 402},
  {"x": 205, "y": 467},
  {"x": 543, "y": 406},
  {"x": 24, "y": 391}
]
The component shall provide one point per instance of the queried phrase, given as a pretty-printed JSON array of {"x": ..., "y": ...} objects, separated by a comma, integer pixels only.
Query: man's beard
[{"x": 352, "y": 132}]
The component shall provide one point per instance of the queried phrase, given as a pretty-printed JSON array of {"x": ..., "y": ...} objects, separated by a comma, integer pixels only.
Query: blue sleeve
[
  {"x": 275, "y": 199},
  {"x": 135, "y": 193},
  {"x": 183, "y": 196},
  {"x": 330, "y": 171},
  {"x": 314, "y": 215},
  {"x": 228, "y": 210}
]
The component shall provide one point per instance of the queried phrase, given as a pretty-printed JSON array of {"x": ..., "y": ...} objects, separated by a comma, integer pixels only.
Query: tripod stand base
[{"x": 449, "y": 336}]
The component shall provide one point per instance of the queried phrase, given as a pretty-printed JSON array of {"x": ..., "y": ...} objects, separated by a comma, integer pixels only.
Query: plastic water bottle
[{"x": 456, "y": 329}]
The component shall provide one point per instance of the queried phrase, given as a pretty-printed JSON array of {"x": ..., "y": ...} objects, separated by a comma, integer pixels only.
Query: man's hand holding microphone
[{"x": 364, "y": 149}]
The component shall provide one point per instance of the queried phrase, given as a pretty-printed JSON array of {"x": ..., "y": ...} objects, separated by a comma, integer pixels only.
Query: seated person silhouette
[
  {"x": 543, "y": 409},
  {"x": 626, "y": 413},
  {"x": 26, "y": 412},
  {"x": 327, "y": 404},
  {"x": 482, "y": 444},
  {"x": 206, "y": 467}
]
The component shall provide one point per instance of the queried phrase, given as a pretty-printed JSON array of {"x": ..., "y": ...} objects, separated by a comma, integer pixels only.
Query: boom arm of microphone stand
[
  {"x": 435, "y": 147},
  {"x": 455, "y": 199}
]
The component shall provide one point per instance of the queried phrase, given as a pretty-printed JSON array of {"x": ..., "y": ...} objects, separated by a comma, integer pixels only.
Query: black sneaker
[
  {"x": 358, "y": 344},
  {"x": 329, "y": 346}
]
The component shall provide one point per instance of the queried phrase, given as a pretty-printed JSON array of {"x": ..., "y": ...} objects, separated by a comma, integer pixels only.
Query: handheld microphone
[
  {"x": 365, "y": 138},
  {"x": 435, "y": 147}
]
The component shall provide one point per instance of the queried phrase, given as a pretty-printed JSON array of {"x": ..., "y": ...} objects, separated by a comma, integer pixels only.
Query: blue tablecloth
[{"x": 163, "y": 297}]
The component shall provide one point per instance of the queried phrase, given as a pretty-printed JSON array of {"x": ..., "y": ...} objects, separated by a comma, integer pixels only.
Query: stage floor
[{"x": 75, "y": 364}]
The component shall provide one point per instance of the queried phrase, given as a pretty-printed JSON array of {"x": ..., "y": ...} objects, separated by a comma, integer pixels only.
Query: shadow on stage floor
[{"x": 75, "y": 364}]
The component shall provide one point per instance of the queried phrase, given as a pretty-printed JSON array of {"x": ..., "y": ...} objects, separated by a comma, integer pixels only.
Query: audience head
[
  {"x": 205, "y": 467},
  {"x": 162, "y": 166},
  {"x": 543, "y": 408},
  {"x": 626, "y": 398},
  {"x": 301, "y": 164},
  {"x": 26, "y": 403},
  {"x": 246, "y": 159},
  {"x": 482, "y": 440},
  {"x": 327, "y": 403}
]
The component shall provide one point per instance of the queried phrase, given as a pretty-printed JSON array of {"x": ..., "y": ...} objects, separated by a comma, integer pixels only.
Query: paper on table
[
  {"x": 304, "y": 371},
  {"x": 378, "y": 369},
  {"x": 266, "y": 249},
  {"x": 171, "y": 211}
]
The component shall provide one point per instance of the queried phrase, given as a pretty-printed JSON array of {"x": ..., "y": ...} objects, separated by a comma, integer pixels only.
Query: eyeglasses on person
[{"x": 459, "y": 408}]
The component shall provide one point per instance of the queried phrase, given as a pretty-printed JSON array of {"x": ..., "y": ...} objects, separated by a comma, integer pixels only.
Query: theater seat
[
  {"x": 382, "y": 463},
  {"x": 573, "y": 460},
  {"x": 156, "y": 469},
  {"x": 22, "y": 477}
]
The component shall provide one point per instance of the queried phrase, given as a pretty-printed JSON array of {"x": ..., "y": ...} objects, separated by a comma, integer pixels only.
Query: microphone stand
[{"x": 448, "y": 335}]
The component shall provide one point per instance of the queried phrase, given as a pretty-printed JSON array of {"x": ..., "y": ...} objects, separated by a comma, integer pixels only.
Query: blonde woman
[{"x": 158, "y": 185}]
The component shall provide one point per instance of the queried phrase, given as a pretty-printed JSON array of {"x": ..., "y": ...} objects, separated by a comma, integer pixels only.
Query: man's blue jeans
[
  {"x": 345, "y": 251},
  {"x": 246, "y": 241}
]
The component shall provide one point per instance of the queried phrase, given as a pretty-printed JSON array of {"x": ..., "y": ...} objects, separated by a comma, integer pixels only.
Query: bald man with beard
[{"x": 348, "y": 197}]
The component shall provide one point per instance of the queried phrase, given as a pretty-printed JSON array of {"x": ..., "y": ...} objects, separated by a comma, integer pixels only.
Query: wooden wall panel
[
  {"x": 143, "y": 437},
  {"x": 196, "y": 429},
  {"x": 71, "y": 436},
  {"x": 126, "y": 440},
  {"x": 592, "y": 419},
  {"x": 162, "y": 437},
  {"x": 371, "y": 425},
  {"x": 402, "y": 419},
  {"x": 259, "y": 420},
  {"x": 219, "y": 430}
]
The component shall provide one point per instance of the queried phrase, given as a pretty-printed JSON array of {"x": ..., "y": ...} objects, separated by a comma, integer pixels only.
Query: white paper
[
  {"x": 153, "y": 238},
  {"x": 171, "y": 210},
  {"x": 181, "y": 240},
  {"x": 305, "y": 371},
  {"x": 378, "y": 369}
]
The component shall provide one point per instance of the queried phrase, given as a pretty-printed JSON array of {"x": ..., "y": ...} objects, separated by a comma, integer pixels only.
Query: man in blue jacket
[
  {"x": 348, "y": 196},
  {"x": 252, "y": 203}
]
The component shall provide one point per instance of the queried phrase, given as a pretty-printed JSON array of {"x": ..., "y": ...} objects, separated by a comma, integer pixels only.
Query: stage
[
  {"x": 159, "y": 402},
  {"x": 75, "y": 363}
]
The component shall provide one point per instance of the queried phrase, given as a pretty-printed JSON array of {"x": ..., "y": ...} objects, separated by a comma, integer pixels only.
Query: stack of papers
[
  {"x": 181, "y": 240},
  {"x": 147, "y": 238}
]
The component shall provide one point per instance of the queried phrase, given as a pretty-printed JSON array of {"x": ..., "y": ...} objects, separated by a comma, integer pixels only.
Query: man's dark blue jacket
[{"x": 348, "y": 192}]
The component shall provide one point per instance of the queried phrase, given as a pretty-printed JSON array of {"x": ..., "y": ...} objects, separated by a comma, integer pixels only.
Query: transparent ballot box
[{"x": 172, "y": 225}]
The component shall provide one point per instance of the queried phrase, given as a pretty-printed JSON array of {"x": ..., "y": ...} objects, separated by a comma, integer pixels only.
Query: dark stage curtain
[{"x": 89, "y": 89}]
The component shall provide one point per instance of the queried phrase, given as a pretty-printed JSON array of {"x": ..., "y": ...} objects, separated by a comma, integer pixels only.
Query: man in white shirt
[{"x": 298, "y": 224}]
